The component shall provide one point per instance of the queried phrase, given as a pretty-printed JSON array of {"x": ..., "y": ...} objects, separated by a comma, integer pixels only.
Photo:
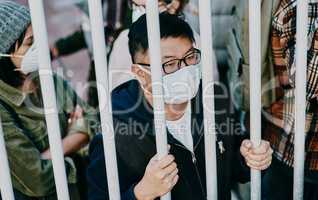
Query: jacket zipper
[{"x": 194, "y": 161}]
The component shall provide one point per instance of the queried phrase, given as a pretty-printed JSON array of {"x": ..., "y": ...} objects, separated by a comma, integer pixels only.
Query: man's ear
[{"x": 139, "y": 73}]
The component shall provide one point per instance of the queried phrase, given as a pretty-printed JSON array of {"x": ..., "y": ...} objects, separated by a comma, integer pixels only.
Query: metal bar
[
  {"x": 255, "y": 88},
  {"x": 300, "y": 98},
  {"x": 100, "y": 57},
  {"x": 119, "y": 5},
  {"x": 153, "y": 28},
  {"x": 208, "y": 98},
  {"x": 49, "y": 98},
  {"x": 5, "y": 180}
]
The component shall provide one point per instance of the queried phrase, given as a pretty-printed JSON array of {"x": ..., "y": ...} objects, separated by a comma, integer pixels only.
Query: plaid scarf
[{"x": 281, "y": 113}]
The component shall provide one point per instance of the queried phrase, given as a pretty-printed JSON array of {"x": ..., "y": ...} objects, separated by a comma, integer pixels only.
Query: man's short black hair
[{"x": 170, "y": 26}]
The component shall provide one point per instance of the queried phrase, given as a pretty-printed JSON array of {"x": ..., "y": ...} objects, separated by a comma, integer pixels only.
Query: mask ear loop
[
  {"x": 10, "y": 56},
  {"x": 2, "y": 55},
  {"x": 142, "y": 87},
  {"x": 17, "y": 70}
]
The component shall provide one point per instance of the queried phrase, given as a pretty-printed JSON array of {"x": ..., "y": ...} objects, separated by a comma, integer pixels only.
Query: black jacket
[{"x": 135, "y": 145}]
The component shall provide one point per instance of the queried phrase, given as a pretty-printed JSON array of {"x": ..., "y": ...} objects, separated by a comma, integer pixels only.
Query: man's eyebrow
[
  {"x": 169, "y": 57},
  {"x": 191, "y": 49}
]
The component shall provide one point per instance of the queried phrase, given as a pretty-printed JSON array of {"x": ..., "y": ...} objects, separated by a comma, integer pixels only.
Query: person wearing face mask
[
  {"x": 119, "y": 59},
  {"x": 23, "y": 118},
  {"x": 141, "y": 174}
]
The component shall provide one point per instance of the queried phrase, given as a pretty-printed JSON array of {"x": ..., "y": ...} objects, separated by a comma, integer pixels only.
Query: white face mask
[
  {"x": 182, "y": 85},
  {"x": 29, "y": 62}
]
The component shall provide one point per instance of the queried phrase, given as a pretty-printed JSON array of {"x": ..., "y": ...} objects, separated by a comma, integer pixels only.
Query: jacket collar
[{"x": 11, "y": 95}]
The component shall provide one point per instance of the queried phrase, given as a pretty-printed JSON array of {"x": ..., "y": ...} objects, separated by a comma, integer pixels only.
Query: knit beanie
[{"x": 14, "y": 19}]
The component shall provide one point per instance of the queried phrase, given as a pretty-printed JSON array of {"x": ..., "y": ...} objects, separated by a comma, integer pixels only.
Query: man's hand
[
  {"x": 54, "y": 52},
  {"x": 259, "y": 158},
  {"x": 46, "y": 155},
  {"x": 159, "y": 179}
]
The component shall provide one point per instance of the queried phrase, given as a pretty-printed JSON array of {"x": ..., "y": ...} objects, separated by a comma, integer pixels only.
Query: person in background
[
  {"x": 23, "y": 118},
  {"x": 120, "y": 60},
  {"x": 222, "y": 23},
  {"x": 142, "y": 175},
  {"x": 278, "y": 90},
  {"x": 116, "y": 17}
]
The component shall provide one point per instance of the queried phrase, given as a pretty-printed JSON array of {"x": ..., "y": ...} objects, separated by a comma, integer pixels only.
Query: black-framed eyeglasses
[{"x": 192, "y": 58}]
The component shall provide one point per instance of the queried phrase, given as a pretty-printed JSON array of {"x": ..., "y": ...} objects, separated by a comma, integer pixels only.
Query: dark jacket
[{"x": 135, "y": 145}]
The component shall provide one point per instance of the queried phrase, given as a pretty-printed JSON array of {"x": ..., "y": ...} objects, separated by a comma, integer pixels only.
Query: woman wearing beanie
[{"x": 23, "y": 119}]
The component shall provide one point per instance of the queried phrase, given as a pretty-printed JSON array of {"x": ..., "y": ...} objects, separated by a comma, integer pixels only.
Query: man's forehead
[
  {"x": 170, "y": 47},
  {"x": 176, "y": 46}
]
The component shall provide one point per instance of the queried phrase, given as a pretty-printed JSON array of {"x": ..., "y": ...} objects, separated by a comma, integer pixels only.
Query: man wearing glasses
[{"x": 142, "y": 175}]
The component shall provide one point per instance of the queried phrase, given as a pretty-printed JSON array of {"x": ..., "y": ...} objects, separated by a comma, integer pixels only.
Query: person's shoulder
[
  {"x": 120, "y": 43},
  {"x": 125, "y": 95},
  {"x": 124, "y": 135},
  {"x": 121, "y": 88},
  {"x": 123, "y": 35}
]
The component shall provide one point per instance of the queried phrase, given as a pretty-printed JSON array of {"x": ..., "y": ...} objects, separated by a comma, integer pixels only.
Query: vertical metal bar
[
  {"x": 255, "y": 87},
  {"x": 49, "y": 98},
  {"x": 119, "y": 7},
  {"x": 300, "y": 98},
  {"x": 100, "y": 53},
  {"x": 5, "y": 180},
  {"x": 152, "y": 11},
  {"x": 208, "y": 98}
]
